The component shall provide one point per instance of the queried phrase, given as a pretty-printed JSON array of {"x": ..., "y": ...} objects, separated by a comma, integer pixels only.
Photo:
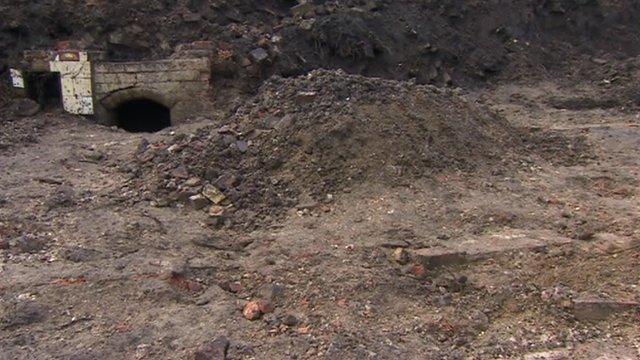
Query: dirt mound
[{"x": 302, "y": 140}]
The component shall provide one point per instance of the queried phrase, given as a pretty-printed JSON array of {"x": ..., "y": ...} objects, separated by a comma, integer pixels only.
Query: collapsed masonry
[{"x": 137, "y": 96}]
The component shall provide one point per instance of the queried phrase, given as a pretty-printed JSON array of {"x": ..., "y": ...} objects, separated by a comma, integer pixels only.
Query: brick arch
[{"x": 117, "y": 98}]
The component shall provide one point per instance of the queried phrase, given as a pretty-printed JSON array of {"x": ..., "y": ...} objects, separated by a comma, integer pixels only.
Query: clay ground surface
[{"x": 87, "y": 273}]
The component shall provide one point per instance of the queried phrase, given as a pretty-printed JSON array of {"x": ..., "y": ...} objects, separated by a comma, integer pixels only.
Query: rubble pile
[{"x": 301, "y": 141}]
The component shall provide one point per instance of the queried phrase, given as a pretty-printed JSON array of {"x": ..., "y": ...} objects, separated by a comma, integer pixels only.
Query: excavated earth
[
  {"x": 302, "y": 140},
  {"x": 476, "y": 198}
]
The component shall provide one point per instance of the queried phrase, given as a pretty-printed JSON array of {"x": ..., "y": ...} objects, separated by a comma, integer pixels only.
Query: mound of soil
[{"x": 302, "y": 140}]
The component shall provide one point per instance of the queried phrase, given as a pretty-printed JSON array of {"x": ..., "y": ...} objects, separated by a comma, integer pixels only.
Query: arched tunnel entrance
[{"x": 142, "y": 115}]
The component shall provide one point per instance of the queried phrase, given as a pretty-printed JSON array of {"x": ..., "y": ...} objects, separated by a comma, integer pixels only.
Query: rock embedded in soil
[
  {"x": 259, "y": 55},
  {"x": 290, "y": 320},
  {"x": 22, "y": 314},
  {"x": 215, "y": 350},
  {"x": 63, "y": 196},
  {"x": 273, "y": 293},
  {"x": 216, "y": 211},
  {"x": 213, "y": 194},
  {"x": 418, "y": 271},
  {"x": 198, "y": 201},
  {"x": 401, "y": 256},
  {"x": 30, "y": 243},
  {"x": 221, "y": 242},
  {"x": 252, "y": 311},
  {"x": 80, "y": 254}
]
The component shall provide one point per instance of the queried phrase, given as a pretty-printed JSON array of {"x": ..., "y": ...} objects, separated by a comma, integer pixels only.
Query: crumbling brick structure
[{"x": 110, "y": 91}]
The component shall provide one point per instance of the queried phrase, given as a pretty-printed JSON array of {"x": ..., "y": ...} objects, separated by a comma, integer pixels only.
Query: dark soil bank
[{"x": 432, "y": 41}]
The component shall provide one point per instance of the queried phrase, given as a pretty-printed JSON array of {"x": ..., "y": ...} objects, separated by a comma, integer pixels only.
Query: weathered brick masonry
[
  {"x": 89, "y": 85},
  {"x": 181, "y": 85}
]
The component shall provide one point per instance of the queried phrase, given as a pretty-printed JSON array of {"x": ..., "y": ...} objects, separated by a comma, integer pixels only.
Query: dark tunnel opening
[
  {"x": 142, "y": 115},
  {"x": 44, "y": 88}
]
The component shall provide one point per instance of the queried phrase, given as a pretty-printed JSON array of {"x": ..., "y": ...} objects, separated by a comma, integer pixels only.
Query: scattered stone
[
  {"x": 79, "y": 254},
  {"x": 290, "y": 320},
  {"x": 222, "y": 243},
  {"x": 401, "y": 256},
  {"x": 174, "y": 148},
  {"x": 216, "y": 211},
  {"x": 280, "y": 123},
  {"x": 198, "y": 201},
  {"x": 479, "y": 320},
  {"x": 22, "y": 314},
  {"x": 303, "y": 9},
  {"x": 266, "y": 307},
  {"x": 558, "y": 294},
  {"x": 252, "y": 311},
  {"x": 191, "y": 182},
  {"x": 305, "y": 97},
  {"x": 225, "y": 129},
  {"x": 395, "y": 243},
  {"x": 369, "y": 310},
  {"x": 444, "y": 300},
  {"x": 143, "y": 145},
  {"x": 242, "y": 146},
  {"x": 93, "y": 155},
  {"x": 259, "y": 55},
  {"x": 174, "y": 267},
  {"x": 232, "y": 287},
  {"x": 30, "y": 243},
  {"x": 307, "y": 24},
  {"x": 62, "y": 197},
  {"x": 599, "y": 61},
  {"x": 273, "y": 293},
  {"x": 307, "y": 205},
  {"x": 226, "y": 181},
  {"x": 215, "y": 350},
  {"x": 179, "y": 281},
  {"x": 162, "y": 202},
  {"x": 180, "y": 172},
  {"x": 271, "y": 320},
  {"x": 585, "y": 234},
  {"x": 212, "y": 193},
  {"x": 418, "y": 270}
]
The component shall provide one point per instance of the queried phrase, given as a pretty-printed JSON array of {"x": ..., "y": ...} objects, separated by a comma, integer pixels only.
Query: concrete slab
[
  {"x": 472, "y": 249},
  {"x": 594, "y": 308}
]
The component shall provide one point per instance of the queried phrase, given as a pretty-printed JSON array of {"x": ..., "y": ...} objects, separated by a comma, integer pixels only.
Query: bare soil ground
[
  {"x": 333, "y": 216},
  {"x": 88, "y": 273}
]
